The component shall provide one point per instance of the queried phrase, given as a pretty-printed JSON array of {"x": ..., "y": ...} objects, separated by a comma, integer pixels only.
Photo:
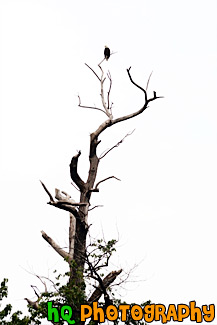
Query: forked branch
[
  {"x": 106, "y": 107},
  {"x": 109, "y": 123},
  {"x": 91, "y": 107}
]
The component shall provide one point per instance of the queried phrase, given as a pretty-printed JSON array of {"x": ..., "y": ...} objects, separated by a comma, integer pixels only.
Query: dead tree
[{"x": 77, "y": 256}]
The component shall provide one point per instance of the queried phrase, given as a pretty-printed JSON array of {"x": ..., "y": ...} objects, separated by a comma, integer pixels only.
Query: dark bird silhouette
[{"x": 107, "y": 53}]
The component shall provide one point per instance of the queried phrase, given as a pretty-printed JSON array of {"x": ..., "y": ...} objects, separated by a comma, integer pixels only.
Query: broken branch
[
  {"x": 105, "y": 283},
  {"x": 56, "y": 247},
  {"x": 73, "y": 172},
  {"x": 46, "y": 190}
]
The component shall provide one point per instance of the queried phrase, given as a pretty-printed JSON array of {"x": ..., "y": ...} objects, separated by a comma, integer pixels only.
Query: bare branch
[
  {"x": 53, "y": 284},
  {"x": 101, "y": 288},
  {"x": 110, "y": 56},
  {"x": 105, "y": 283},
  {"x": 74, "y": 174},
  {"x": 96, "y": 206},
  {"x": 101, "y": 61},
  {"x": 110, "y": 86},
  {"x": 56, "y": 247},
  {"x": 43, "y": 282},
  {"x": 33, "y": 304},
  {"x": 109, "y": 122},
  {"x": 36, "y": 293},
  {"x": 108, "y": 113},
  {"x": 128, "y": 71},
  {"x": 116, "y": 145},
  {"x": 93, "y": 70},
  {"x": 75, "y": 187},
  {"x": 107, "y": 109},
  {"x": 148, "y": 81},
  {"x": 64, "y": 203},
  {"x": 155, "y": 96},
  {"x": 69, "y": 207},
  {"x": 102, "y": 90},
  {"x": 91, "y": 107},
  {"x": 46, "y": 190},
  {"x": 113, "y": 53},
  {"x": 105, "y": 179}
]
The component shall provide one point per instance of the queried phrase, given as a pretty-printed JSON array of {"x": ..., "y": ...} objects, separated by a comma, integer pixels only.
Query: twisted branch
[{"x": 74, "y": 174}]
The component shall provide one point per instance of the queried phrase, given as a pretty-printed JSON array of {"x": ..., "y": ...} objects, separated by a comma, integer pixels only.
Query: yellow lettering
[
  {"x": 123, "y": 309},
  {"x": 196, "y": 313},
  {"x": 98, "y": 310},
  {"x": 111, "y": 312},
  {"x": 171, "y": 313},
  {"x": 136, "y": 312},
  {"x": 209, "y": 313},
  {"x": 160, "y": 311},
  {"x": 84, "y": 315},
  {"x": 149, "y": 313},
  {"x": 181, "y": 314}
]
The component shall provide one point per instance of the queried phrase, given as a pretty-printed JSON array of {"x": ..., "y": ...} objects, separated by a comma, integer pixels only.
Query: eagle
[{"x": 107, "y": 53}]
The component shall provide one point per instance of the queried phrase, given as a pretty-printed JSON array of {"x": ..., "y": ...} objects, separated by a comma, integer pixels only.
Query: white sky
[{"x": 164, "y": 209}]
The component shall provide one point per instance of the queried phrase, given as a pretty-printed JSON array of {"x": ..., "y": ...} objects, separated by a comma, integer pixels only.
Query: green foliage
[
  {"x": 72, "y": 293},
  {"x": 15, "y": 318},
  {"x": 69, "y": 290}
]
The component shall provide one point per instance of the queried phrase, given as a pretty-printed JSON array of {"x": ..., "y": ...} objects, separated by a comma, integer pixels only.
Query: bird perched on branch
[{"x": 107, "y": 53}]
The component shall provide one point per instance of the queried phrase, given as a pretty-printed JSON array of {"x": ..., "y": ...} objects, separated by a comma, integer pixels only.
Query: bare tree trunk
[{"x": 78, "y": 225}]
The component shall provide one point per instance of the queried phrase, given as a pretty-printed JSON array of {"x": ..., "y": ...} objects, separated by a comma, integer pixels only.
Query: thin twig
[
  {"x": 96, "y": 206},
  {"x": 106, "y": 109},
  {"x": 54, "y": 285},
  {"x": 102, "y": 90},
  {"x": 75, "y": 187},
  {"x": 110, "y": 86},
  {"x": 43, "y": 282},
  {"x": 93, "y": 70},
  {"x": 116, "y": 145},
  {"x": 110, "y": 122},
  {"x": 105, "y": 179},
  {"x": 148, "y": 81},
  {"x": 101, "y": 62},
  {"x": 91, "y": 107},
  {"x": 33, "y": 288}
]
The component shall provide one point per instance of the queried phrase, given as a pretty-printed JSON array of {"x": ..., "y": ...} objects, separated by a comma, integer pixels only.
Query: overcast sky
[{"x": 164, "y": 209}]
